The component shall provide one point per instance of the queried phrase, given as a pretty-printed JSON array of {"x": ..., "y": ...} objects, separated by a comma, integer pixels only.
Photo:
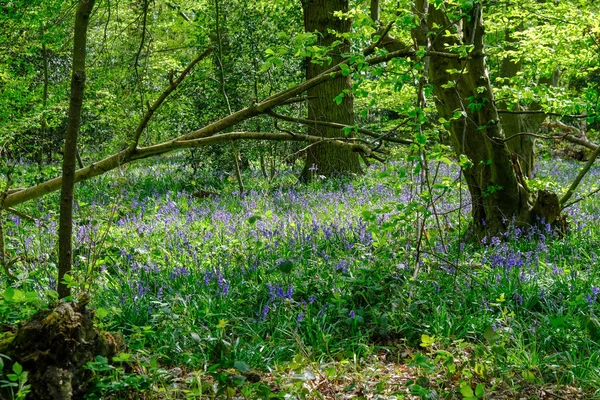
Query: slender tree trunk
[
  {"x": 324, "y": 159},
  {"x": 70, "y": 150},
  {"x": 44, "y": 136},
  {"x": 464, "y": 97},
  {"x": 219, "y": 55}
]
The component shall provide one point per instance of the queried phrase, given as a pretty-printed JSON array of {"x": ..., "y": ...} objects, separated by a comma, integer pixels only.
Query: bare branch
[
  {"x": 554, "y": 114},
  {"x": 339, "y": 126},
  {"x": 566, "y": 136}
]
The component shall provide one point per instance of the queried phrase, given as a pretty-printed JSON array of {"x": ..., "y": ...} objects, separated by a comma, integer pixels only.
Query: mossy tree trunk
[
  {"x": 325, "y": 159},
  {"x": 65, "y": 231},
  {"x": 464, "y": 98}
]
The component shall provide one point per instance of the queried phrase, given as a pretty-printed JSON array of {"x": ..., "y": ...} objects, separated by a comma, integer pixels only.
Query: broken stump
[{"x": 54, "y": 346}]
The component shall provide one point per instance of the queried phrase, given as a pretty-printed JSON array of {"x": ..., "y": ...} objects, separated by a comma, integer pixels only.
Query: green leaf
[
  {"x": 427, "y": 341},
  {"x": 14, "y": 295},
  {"x": 338, "y": 99},
  {"x": 17, "y": 368},
  {"x": 466, "y": 391},
  {"x": 480, "y": 390},
  {"x": 557, "y": 322},
  {"x": 123, "y": 357},
  {"x": 241, "y": 366},
  {"x": 490, "y": 334},
  {"x": 593, "y": 328},
  {"x": 9, "y": 294},
  {"x": 286, "y": 266},
  {"x": 67, "y": 279},
  {"x": 101, "y": 360},
  {"x": 479, "y": 369},
  {"x": 30, "y": 296},
  {"x": 102, "y": 312},
  {"x": 222, "y": 324},
  {"x": 345, "y": 69},
  {"x": 252, "y": 220},
  {"x": 238, "y": 380},
  {"x": 528, "y": 376},
  {"x": 195, "y": 337}
]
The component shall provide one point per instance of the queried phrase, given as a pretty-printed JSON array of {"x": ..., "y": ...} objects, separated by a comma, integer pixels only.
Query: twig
[
  {"x": 298, "y": 99},
  {"x": 554, "y": 114},
  {"x": 580, "y": 199},
  {"x": 339, "y": 126},
  {"x": 338, "y": 141},
  {"x": 580, "y": 176},
  {"x": 20, "y": 214},
  {"x": 569, "y": 137},
  {"x": 369, "y": 50}
]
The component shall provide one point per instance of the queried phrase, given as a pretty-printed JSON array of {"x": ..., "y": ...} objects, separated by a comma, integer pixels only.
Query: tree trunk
[
  {"x": 324, "y": 159},
  {"x": 464, "y": 98},
  {"x": 70, "y": 150}
]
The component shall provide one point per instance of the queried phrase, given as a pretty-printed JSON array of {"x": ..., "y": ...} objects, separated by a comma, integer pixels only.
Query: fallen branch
[{"x": 135, "y": 153}]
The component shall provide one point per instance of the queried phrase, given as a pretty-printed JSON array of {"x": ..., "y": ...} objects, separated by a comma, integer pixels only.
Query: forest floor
[{"x": 337, "y": 289}]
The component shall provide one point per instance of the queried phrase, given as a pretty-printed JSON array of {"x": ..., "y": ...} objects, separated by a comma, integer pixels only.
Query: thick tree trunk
[
  {"x": 324, "y": 159},
  {"x": 70, "y": 150},
  {"x": 464, "y": 97}
]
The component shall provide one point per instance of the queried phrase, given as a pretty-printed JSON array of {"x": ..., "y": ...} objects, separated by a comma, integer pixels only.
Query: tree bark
[
  {"x": 324, "y": 159},
  {"x": 65, "y": 231},
  {"x": 464, "y": 98}
]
